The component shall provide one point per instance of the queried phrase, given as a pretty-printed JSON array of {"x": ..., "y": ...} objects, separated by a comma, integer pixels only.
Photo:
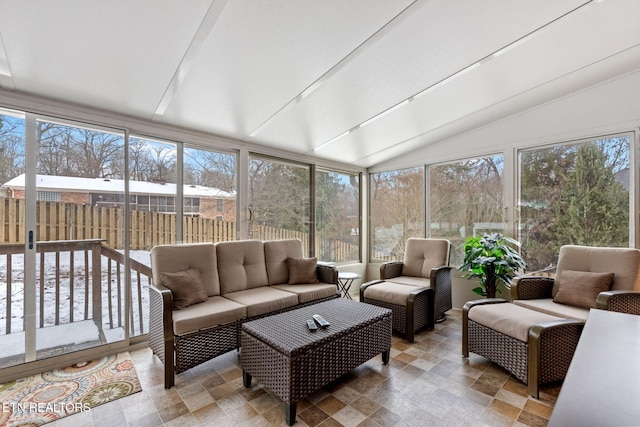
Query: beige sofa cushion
[
  {"x": 392, "y": 293},
  {"x": 302, "y": 270},
  {"x": 546, "y": 305},
  {"x": 174, "y": 258},
  {"x": 186, "y": 287},
  {"x": 215, "y": 311},
  {"x": 422, "y": 255},
  {"x": 624, "y": 262},
  {"x": 411, "y": 281},
  {"x": 241, "y": 265},
  {"x": 509, "y": 319},
  {"x": 581, "y": 288},
  {"x": 276, "y": 253},
  {"x": 310, "y": 292},
  {"x": 263, "y": 300}
]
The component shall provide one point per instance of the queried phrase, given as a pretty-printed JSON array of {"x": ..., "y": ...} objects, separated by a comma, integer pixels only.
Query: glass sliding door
[
  {"x": 79, "y": 186},
  {"x": 65, "y": 291},
  {"x": 12, "y": 239}
]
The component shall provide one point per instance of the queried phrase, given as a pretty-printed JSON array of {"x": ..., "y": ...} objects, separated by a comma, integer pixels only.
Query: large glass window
[
  {"x": 466, "y": 200},
  {"x": 279, "y": 202},
  {"x": 210, "y": 192},
  {"x": 397, "y": 211},
  {"x": 153, "y": 176},
  {"x": 574, "y": 193},
  {"x": 337, "y": 216}
]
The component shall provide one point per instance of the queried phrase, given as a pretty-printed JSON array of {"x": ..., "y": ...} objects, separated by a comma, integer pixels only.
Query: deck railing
[{"x": 76, "y": 280}]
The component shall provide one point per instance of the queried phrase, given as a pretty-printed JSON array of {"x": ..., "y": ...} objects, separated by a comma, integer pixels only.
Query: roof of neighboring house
[{"x": 105, "y": 185}]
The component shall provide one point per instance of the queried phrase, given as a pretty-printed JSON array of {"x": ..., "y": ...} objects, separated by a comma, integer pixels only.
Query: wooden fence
[{"x": 68, "y": 221}]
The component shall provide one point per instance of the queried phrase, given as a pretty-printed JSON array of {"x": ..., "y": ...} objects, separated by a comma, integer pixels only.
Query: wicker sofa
[{"x": 238, "y": 281}]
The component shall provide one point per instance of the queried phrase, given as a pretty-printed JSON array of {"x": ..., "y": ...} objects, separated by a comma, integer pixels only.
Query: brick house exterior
[{"x": 211, "y": 203}]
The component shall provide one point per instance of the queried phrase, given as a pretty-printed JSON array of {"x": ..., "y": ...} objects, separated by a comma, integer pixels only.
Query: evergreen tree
[{"x": 593, "y": 208}]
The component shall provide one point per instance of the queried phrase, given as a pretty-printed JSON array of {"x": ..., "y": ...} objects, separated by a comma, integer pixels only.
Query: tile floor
[{"x": 426, "y": 383}]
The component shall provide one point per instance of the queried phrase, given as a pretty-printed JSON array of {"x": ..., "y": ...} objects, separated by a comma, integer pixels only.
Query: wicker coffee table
[{"x": 292, "y": 362}]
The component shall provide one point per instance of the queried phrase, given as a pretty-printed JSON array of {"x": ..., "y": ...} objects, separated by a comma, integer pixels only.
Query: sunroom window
[{"x": 574, "y": 193}]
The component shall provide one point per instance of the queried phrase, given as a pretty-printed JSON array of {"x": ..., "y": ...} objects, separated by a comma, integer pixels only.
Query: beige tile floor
[{"x": 426, "y": 383}]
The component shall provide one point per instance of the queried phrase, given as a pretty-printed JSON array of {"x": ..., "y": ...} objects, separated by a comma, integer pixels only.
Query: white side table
[{"x": 345, "y": 279}]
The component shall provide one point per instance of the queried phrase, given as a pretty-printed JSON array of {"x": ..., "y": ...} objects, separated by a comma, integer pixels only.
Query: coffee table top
[{"x": 288, "y": 333}]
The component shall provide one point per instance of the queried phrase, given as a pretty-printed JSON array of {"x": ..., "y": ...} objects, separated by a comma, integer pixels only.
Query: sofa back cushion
[
  {"x": 241, "y": 265},
  {"x": 421, "y": 255},
  {"x": 182, "y": 257},
  {"x": 276, "y": 253},
  {"x": 624, "y": 263}
]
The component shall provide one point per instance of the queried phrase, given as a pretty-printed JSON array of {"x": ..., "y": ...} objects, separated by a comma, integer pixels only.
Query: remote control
[
  {"x": 321, "y": 320},
  {"x": 312, "y": 325}
]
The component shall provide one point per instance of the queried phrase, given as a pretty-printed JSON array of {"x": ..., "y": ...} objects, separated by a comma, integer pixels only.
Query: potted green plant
[{"x": 491, "y": 259}]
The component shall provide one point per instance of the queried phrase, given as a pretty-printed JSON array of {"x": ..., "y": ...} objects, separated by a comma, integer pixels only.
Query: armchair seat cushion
[
  {"x": 410, "y": 281},
  {"x": 393, "y": 293},
  {"x": 263, "y": 300},
  {"x": 215, "y": 311},
  {"x": 509, "y": 319},
  {"x": 546, "y": 305},
  {"x": 309, "y": 292}
]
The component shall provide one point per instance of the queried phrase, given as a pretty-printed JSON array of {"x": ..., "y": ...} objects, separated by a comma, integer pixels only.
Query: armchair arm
[
  {"x": 531, "y": 287},
  {"x": 391, "y": 269},
  {"x": 465, "y": 319},
  {"x": 440, "y": 282},
  {"x": 161, "y": 337},
  {"x": 621, "y": 301},
  {"x": 366, "y": 285},
  {"x": 557, "y": 337},
  {"x": 327, "y": 273}
]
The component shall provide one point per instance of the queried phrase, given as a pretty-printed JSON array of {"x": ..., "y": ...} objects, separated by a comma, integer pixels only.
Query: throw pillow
[
  {"x": 186, "y": 287},
  {"x": 302, "y": 270},
  {"x": 581, "y": 288}
]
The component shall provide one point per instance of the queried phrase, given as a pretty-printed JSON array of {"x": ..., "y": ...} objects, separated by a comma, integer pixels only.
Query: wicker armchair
[
  {"x": 535, "y": 337},
  {"x": 538, "y": 293},
  {"x": 417, "y": 290}
]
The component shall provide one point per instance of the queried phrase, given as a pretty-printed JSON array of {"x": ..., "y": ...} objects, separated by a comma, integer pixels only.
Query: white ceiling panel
[
  {"x": 554, "y": 53},
  {"x": 116, "y": 55},
  {"x": 437, "y": 39},
  {"x": 262, "y": 54}
]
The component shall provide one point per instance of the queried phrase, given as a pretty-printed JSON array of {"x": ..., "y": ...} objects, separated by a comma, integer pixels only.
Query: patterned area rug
[{"x": 52, "y": 395}]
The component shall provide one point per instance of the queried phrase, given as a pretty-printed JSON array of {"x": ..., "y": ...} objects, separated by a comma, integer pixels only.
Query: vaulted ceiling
[{"x": 357, "y": 81}]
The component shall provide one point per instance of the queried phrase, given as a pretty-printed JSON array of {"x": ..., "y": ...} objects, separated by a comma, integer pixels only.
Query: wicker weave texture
[
  {"x": 292, "y": 362},
  {"x": 156, "y": 332},
  {"x": 557, "y": 347},
  {"x": 503, "y": 350},
  {"x": 442, "y": 297},
  {"x": 626, "y": 303},
  {"x": 198, "y": 347},
  {"x": 421, "y": 312},
  {"x": 390, "y": 269},
  {"x": 534, "y": 287}
]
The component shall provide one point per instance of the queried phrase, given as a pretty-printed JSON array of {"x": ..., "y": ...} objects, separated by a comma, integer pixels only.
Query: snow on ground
[{"x": 81, "y": 309}]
